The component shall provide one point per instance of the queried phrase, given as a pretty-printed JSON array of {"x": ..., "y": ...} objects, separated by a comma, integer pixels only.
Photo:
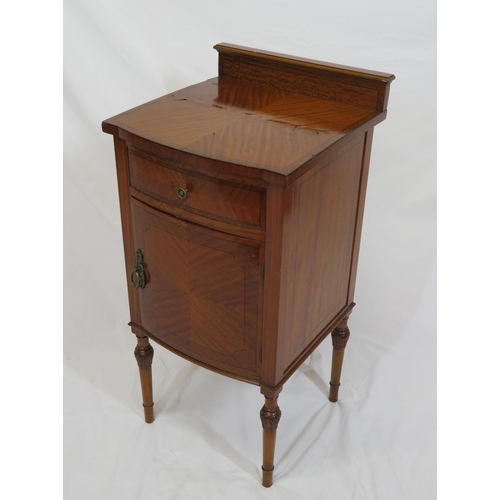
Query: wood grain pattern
[
  {"x": 202, "y": 288},
  {"x": 322, "y": 213},
  {"x": 213, "y": 223},
  {"x": 262, "y": 141},
  {"x": 122, "y": 173},
  {"x": 309, "y": 83},
  {"x": 200, "y": 165},
  {"x": 205, "y": 197},
  {"x": 296, "y": 62},
  {"x": 228, "y": 93},
  {"x": 274, "y": 131},
  {"x": 274, "y": 243},
  {"x": 305, "y": 76},
  {"x": 233, "y": 172}
]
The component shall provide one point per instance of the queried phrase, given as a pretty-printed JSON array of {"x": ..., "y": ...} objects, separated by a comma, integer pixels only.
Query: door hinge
[
  {"x": 263, "y": 269},
  {"x": 260, "y": 354}
]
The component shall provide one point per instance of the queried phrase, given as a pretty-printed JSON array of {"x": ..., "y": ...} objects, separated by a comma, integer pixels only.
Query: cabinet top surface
[{"x": 262, "y": 111}]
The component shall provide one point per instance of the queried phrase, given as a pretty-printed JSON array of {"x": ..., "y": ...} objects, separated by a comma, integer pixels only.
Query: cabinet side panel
[{"x": 319, "y": 231}]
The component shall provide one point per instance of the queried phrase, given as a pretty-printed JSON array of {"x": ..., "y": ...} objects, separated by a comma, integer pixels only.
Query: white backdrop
[{"x": 378, "y": 442}]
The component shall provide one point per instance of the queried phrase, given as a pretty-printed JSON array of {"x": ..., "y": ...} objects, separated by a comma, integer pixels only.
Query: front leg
[
  {"x": 144, "y": 356},
  {"x": 270, "y": 417},
  {"x": 340, "y": 336}
]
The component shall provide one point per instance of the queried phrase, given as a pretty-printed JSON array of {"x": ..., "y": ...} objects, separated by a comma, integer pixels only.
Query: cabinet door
[{"x": 201, "y": 293}]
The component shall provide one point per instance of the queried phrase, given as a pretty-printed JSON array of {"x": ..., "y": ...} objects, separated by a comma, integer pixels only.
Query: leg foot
[
  {"x": 144, "y": 356},
  {"x": 270, "y": 417},
  {"x": 340, "y": 336}
]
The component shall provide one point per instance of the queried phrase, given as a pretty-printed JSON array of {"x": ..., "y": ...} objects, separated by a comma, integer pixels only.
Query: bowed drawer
[{"x": 210, "y": 198}]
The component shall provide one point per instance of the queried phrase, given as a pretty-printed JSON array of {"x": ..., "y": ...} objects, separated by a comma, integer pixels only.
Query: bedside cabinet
[{"x": 242, "y": 201}]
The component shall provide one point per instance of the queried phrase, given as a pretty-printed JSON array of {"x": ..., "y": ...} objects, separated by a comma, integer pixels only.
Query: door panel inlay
[{"x": 202, "y": 293}]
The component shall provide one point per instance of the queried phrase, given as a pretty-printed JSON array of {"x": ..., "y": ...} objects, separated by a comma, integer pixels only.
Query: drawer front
[{"x": 195, "y": 194}]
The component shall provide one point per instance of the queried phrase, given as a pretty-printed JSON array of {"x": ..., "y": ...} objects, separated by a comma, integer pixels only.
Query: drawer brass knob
[
  {"x": 137, "y": 276},
  {"x": 182, "y": 193}
]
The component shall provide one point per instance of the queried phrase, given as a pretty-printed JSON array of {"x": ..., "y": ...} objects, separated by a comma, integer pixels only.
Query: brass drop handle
[
  {"x": 137, "y": 276},
  {"x": 182, "y": 192}
]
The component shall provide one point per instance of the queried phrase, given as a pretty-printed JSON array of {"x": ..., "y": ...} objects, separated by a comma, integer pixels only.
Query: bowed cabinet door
[{"x": 201, "y": 291}]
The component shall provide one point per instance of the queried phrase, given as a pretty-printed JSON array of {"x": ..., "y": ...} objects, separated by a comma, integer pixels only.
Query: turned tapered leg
[
  {"x": 144, "y": 356},
  {"x": 340, "y": 336},
  {"x": 270, "y": 416}
]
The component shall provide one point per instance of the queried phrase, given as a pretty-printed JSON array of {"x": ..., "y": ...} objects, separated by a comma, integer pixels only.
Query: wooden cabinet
[{"x": 242, "y": 201}]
